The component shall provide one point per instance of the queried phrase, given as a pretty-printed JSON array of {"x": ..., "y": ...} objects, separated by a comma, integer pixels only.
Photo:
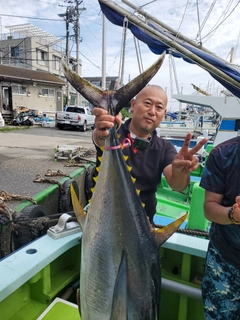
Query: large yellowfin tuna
[{"x": 120, "y": 264}]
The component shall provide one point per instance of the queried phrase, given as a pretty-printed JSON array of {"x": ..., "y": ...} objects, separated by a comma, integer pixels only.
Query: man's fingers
[
  {"x": 198, "y": 146},
  {"x": 186, "y": 142},
  {"x": 238, "y": 200},
  {"x": 99, "y": 111}
]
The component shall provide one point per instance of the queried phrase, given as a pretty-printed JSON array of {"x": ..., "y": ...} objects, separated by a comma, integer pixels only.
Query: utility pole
[
  {"x": 72, "y": 16},
  {"x": 66, "y": 16},
  {"x": 67, "y": 52},
  {"x": 77, "y": 34}
]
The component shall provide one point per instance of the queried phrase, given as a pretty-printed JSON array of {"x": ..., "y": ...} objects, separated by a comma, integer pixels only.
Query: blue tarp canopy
[{"x": 158, "y": 47}]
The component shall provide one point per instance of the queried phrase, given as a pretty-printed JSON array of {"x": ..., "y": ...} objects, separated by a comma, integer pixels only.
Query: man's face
[{"x": 148, "y": 109}]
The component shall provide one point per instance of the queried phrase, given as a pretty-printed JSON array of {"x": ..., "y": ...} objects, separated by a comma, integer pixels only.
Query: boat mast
[
  {"x": 122, "y": 55},
  {"x": 103, "y": 52},
  {"x": 169, "y": 41}
]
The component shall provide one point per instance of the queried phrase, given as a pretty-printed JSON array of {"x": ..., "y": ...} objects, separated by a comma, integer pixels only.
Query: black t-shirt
[
  {"x": 147, "y": 165},
  {"x": 221, "y": 175}
]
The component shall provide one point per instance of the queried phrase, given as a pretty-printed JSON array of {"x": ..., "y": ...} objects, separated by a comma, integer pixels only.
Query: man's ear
[{"x": 132, "y": 105}]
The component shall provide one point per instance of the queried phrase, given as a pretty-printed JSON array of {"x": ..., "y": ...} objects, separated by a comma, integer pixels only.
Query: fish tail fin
[
  {"x": 164, "y": 233},
  {"x": 119, "y": 305},
  {"x": 89, "y": 91},
  {"x": 78, "y": 210},
  {"x": 101, "y": 98},
  {"x": 127, "y": 92}
]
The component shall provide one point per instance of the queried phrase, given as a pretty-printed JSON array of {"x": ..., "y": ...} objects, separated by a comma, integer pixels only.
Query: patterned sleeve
[{"x": 213, "y": 178}]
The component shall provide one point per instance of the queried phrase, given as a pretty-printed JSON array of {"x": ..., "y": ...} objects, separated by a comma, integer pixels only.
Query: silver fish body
[{"x": 120, "y": 271}]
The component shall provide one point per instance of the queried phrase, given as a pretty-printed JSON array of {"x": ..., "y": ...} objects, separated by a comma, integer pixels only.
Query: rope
[
  {"x": 192, "y": 232},
  {"x": 51, "y": 173},
  {"x": 33, "y": 229},
  {"x": 8, "y": 197},
  {"x": 39, "y": 178}
]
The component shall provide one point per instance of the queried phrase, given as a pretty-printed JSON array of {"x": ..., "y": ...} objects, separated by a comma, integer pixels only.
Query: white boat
[
  {"x": 228, "y": 108},
  {"x": 197, "y": 124}
]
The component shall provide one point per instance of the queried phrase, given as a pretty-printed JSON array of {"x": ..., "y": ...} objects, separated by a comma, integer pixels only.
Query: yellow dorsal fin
[
  {"x": 133, "y": 179},
  {"x": 100, "y": 158},
  {"x": 98, "y": 169},
  {"x": 143, "y": 205},
  {"x": 125, "y": 157},
  {"x": 118, "y": 135},
  {"x": 138, "y": 191},
  {"x": 129, "y": 168},
  {"x": 95, "y": 178},
  {"x": 102, "y": 148},
  {"x": 92, "y": 189}
]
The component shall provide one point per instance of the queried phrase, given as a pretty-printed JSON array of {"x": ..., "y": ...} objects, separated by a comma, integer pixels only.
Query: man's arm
[
  {"x": 177, "y": 180},
  {"x": 215, "y": 212}
]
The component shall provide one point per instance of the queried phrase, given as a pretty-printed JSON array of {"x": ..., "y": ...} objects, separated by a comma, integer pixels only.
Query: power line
[{"x": 33, "y": 18}]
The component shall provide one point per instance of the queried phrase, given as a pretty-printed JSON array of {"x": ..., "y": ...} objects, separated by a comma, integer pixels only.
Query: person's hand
[
  {"x": 236, "y": 209},
  {"x": 103, "y": 122},
  {"x": 186, "y": 161}
]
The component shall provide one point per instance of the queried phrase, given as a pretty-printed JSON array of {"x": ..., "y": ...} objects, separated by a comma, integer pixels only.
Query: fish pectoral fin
[
  {"x": 119, "y": 305},
  {"x": 163, "y": 234},
  {"x": 77, "y": 208}
]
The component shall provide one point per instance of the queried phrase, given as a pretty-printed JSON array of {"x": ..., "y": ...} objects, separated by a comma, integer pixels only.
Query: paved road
[{"x": 26, "y": 153}]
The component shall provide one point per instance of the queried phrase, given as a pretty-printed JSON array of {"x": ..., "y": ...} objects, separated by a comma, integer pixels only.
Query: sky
[{"x": 185, "y": 16}]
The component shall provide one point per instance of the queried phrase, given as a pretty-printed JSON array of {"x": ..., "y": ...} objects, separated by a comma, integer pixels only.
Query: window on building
[
  {"x": 56, "y": 63},
  {"x": 15, "y": 52},
  {"x": 50, "y": 93},
  {"x": 41, "y": 57},
  {"x": 17, "y": 89},
  {"x": 5, "y": 93},
  {"x": 22, "y": 90},
  {"x": 96, "y": 83}
]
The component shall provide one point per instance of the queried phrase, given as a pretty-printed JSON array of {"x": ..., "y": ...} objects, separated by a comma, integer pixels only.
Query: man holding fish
[
  {"x": 120, "y": 262},
  {"x": 149, "y": 155}
]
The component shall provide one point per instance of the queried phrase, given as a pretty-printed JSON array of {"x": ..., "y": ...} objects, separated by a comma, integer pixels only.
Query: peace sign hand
[{"x": 186, "y": 161}]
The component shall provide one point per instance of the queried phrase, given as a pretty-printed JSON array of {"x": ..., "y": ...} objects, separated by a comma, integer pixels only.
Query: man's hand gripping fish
[{"x": 120, "y": 263}]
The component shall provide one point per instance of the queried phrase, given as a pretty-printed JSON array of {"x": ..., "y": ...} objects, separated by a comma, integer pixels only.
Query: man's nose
[{"x": 152, "y": 110}]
